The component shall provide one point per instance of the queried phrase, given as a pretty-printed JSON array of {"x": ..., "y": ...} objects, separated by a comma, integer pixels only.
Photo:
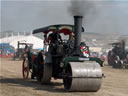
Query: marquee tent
[{"x": 37, "y": 42}]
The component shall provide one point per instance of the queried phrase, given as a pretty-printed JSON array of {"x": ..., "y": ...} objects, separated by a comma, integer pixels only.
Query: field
[{"x": 115, "y": 83}]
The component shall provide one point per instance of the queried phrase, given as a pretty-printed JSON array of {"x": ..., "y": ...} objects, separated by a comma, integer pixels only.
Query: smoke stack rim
[{"x": 78, "y": 16}]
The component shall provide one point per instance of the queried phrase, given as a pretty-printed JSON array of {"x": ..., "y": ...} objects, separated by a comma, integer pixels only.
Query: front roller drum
[{"x": 83, "y": 76}]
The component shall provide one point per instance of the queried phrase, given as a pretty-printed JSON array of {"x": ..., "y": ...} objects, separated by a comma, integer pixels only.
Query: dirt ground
[{"x": 11, "y": 83}]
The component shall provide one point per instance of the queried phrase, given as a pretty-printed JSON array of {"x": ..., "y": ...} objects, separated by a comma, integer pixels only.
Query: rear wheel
[
  {"x": 120, "y": 65},
  {"x": 40, "y": 66},
  {"x": 46, "y": 73},
  {"x": 117, "y": 62},
  {"x": 25, "y": 69},
  {"x": 45, "y": 70},
  {"x": 110, "y": 59}
]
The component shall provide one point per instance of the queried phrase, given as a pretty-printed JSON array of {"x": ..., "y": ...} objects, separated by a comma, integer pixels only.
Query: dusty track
[{"x": 12, "y": 84}]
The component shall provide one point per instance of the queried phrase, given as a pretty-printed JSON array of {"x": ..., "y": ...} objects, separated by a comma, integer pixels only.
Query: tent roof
[
  {"x": 37, "y": 42},
  {"x": 10, "y": 39}
]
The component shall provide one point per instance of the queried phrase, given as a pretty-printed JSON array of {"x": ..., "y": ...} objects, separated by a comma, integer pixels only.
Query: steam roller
[{"x": 65, "y": 59}]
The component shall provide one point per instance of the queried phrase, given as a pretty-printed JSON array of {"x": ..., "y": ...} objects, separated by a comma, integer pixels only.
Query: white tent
[
  {"x": 10, "y": 39},
  {"x": 37, "y": 42}
]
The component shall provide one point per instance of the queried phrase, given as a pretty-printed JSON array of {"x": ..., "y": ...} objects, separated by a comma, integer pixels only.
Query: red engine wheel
[{"x": 25, "y": 69}]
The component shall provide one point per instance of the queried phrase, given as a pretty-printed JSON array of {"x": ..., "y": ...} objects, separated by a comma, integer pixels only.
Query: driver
[{"x": 54, "y": 37}]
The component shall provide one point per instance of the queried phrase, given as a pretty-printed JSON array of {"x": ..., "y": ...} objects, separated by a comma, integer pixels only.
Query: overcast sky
[{"x": 104, "y": 16}]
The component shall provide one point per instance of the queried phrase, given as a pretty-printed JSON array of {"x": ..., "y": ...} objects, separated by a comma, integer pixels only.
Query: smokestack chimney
[{"x": 78, "y": 30}]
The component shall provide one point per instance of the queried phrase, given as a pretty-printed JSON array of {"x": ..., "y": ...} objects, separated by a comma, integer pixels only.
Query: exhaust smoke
[{"x": 80, "y": 7}]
